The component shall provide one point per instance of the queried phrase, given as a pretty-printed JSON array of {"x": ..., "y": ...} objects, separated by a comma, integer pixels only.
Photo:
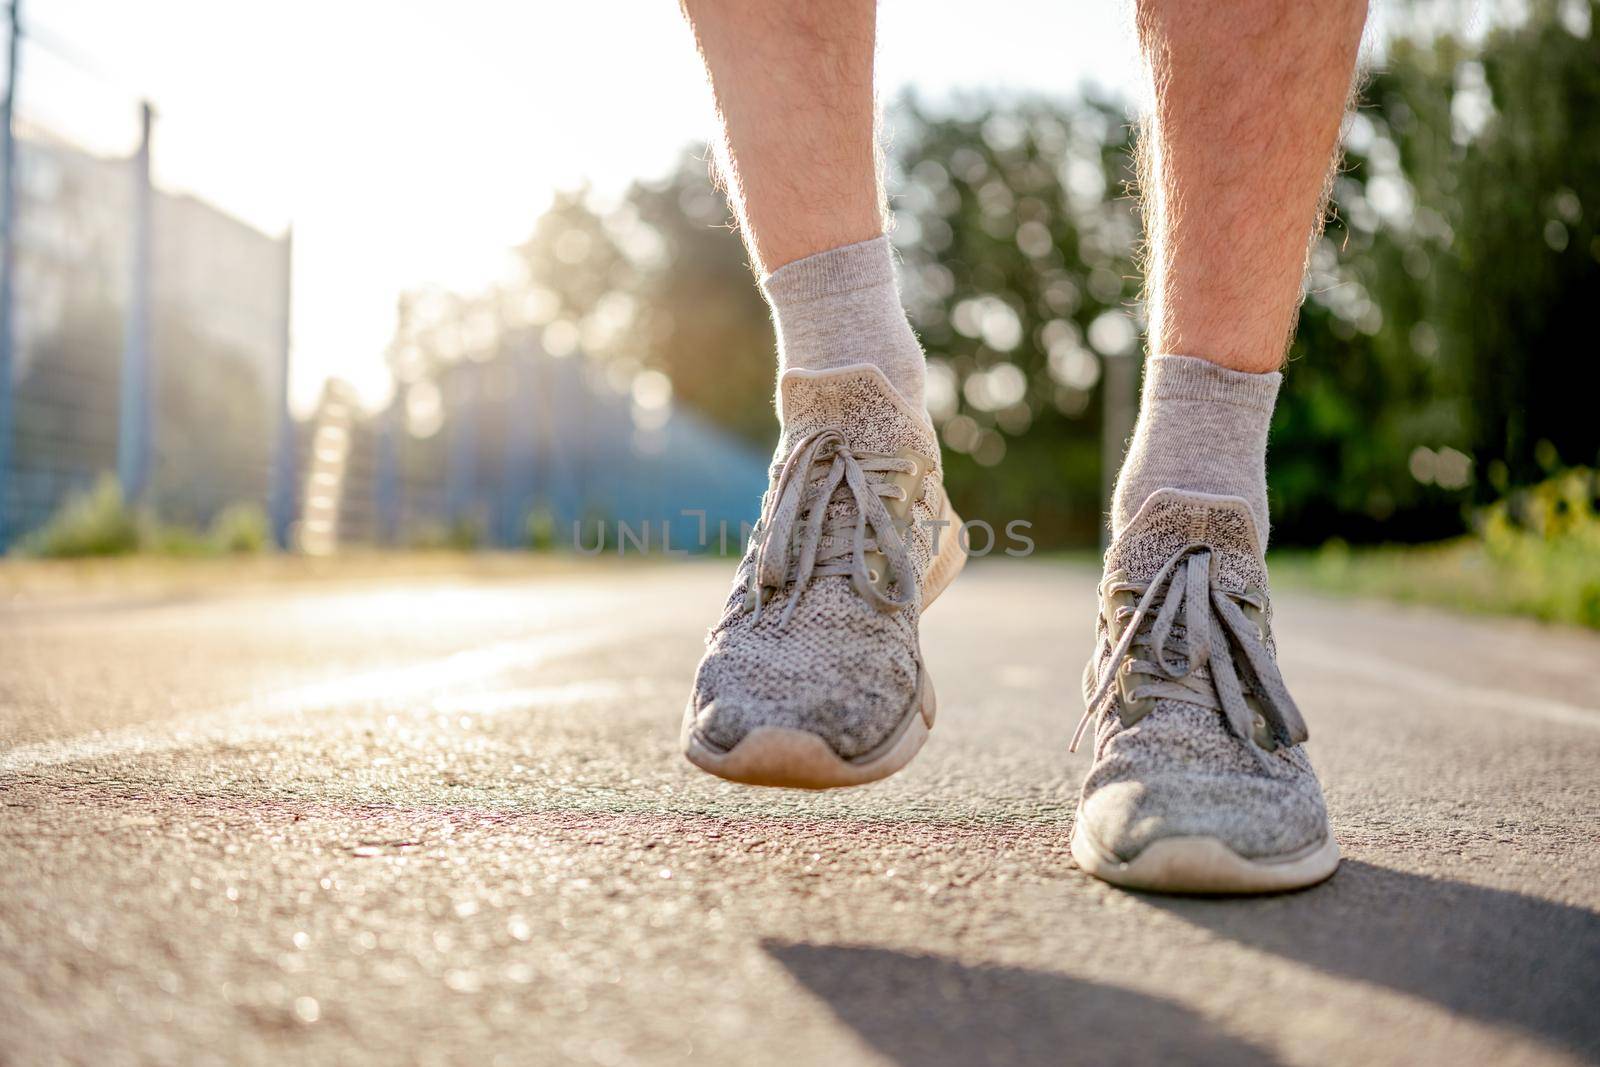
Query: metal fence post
[
  {"x": 1119, "y": 412},
  {"x": 8, "y": 264},
  {"x": 461, "y": 488},
  {"x": 281, "y": 504},
  {"x": 520, "y": 445},
  {"x": 386, "y": 476},
  {"x": 133, "y": 429}
]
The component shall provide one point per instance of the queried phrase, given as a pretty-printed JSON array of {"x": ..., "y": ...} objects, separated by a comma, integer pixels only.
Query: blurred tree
[
  {"x": 658, "y": 281},
  {"x": 1441, "y": 352},
  {"x": 661, "y": 282},
  {"x": 214, "y": 424},
  {"x": 1018, "y": 241},
  {"x": 66, "y": 401},
  {"x": 1441, "y": 355}
]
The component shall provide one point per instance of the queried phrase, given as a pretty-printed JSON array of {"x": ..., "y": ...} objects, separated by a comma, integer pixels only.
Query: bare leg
[
  {"x": 793, "y": 84},
  {"x": 1237, "y": 153},
  {"x": 1248, "y": 96}
]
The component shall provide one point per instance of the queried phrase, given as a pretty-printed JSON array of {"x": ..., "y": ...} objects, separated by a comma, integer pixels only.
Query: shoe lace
[
  {"x": 1214, "y": 626},
  {"x": 798, "y": 538}
]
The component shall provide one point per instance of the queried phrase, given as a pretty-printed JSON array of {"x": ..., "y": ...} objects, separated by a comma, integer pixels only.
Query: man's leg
[
  {"x": 1248, "y": 96},
  {"x": 1199, "y": 781},
  {"x": 793, "y": 85},
  {"x": 813, "y": 676}
]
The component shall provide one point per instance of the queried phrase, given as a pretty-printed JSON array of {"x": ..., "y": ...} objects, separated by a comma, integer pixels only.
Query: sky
[{"x": 408, "y": 148}]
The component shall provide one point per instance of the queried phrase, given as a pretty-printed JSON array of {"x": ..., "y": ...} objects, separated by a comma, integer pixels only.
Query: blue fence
[
  {"x": 534, "y": 449},
  {"x": 146, "y": 337},
  {"x": 150, "y": 341}
]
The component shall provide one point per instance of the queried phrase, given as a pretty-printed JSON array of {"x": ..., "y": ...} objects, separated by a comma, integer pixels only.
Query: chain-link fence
[
  {"x": 146, "y": 333},
  {"x": 149, "y": 348},
  {"x": 513, "y": 447}
]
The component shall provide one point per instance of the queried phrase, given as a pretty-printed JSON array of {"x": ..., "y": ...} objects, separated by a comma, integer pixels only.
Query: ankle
[
  {"x": 842, "y": 308},
  {"x": 1202, "y": 428}
]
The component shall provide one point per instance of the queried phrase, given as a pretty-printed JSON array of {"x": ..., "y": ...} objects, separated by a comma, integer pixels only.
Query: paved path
[{"x": 448, "y": 824}]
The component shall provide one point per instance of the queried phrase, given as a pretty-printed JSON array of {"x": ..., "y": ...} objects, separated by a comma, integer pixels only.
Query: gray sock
[
  {"x": 1202, "y": 428},
  {"x": 842, "y": 307}
]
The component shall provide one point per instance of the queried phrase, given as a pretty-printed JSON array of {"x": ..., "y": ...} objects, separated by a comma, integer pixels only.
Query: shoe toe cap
[
  {"x": 851, "y": 727},
  {"x": 1257, "y": 816},
  {"x": 839, "y": 670}
]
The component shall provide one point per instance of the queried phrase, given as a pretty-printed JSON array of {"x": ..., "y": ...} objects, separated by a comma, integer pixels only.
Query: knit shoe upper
[
  {"x": 820, "y": 631},
  {"x": 1195, "y": 732}
]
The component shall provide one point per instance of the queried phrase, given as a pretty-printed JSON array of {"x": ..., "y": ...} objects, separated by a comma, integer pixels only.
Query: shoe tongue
[
  {"x": 858, "y": 401},
  {"x": 1171, "y": 520}
]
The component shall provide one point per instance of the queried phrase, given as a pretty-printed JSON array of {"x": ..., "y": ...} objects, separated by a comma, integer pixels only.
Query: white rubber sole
[
  {"x": 1204, "y": 865},
  {"x": 796, "y": 759}
]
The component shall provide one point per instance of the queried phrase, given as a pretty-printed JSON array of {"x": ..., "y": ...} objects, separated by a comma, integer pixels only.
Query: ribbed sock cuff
[
  {"x": 1188, "y": 378},
  {"x": 864, "y": 265}
]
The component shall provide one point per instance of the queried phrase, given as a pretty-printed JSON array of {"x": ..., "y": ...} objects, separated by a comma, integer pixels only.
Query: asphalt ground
[{"x": 445, "y": 820}]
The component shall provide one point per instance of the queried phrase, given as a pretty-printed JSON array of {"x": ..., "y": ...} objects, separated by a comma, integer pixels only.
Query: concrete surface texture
[{"x": 447, "y": 822}]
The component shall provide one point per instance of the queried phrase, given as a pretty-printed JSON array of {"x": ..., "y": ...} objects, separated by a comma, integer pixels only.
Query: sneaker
[
  {"x": 813, "y": 677},
  {"x": 1199, "y": 782}
]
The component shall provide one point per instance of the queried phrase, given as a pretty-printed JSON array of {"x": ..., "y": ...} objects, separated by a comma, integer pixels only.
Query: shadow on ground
[
  {"x": 1496, "y": 956},
  {"x": 932, "y": 1010}
]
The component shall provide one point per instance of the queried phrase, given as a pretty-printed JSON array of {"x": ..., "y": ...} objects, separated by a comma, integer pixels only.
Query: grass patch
[
  {"x": 98, "y": 524},
  {"x": 1537, "y": 554}
]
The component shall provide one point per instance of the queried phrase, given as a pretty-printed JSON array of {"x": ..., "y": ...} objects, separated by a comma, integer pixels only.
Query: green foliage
[
  {"x": 240, "y": 529},
  {"x": 94, "y": 523},
  {"x": 1440, "y": 360},
  {"x": 541, "y": 530},
  {"x": 1548, "y": 537},
  {"x": 99, "y": 522},
  {"x": 1447, "y": 305},
  {"x": 462, "y": 535},
  {"x": 171, "y": 539},
  {"x": 1018, "y": 242},
  {"x": 1536, "y": 553}
]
